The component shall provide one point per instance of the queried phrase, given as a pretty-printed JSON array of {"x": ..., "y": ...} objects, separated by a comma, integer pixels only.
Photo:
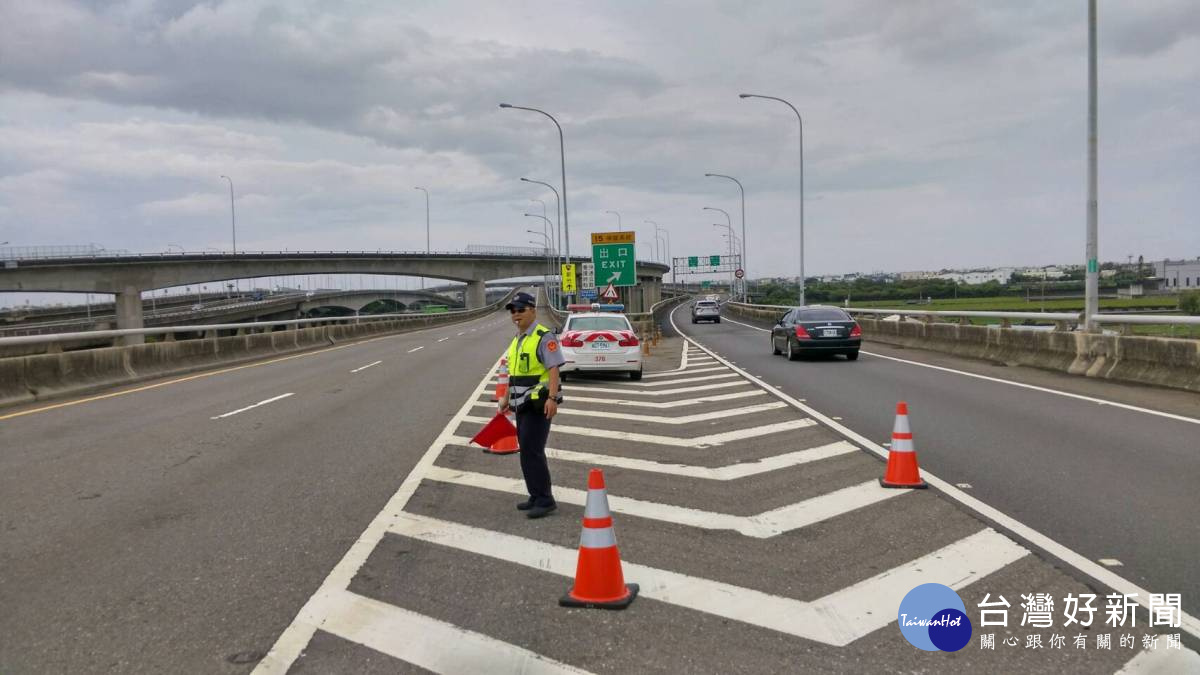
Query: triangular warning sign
[{"x": 609, "y": 293}]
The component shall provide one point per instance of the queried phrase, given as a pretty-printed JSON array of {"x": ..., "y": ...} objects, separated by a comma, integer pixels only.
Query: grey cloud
[{"x": 1156, "y": 27}]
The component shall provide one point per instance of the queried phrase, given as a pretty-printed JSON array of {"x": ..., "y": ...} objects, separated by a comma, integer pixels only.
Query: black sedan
[{"x": 816, "y": 330}]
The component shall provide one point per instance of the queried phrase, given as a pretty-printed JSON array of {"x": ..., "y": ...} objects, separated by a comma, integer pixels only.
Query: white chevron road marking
[
  {"x": 698, "y": 442},
  {"x": 762, "y": 526},
  {"x": 662, "y": 419},
  {"x": 835, "y": 619}
]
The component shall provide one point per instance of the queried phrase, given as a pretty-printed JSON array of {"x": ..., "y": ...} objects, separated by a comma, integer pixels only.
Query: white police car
[{"x": 599, "y": 341}]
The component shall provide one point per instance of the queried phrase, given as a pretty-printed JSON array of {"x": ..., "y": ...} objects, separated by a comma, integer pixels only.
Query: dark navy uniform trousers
[{"x": 532, "y": 431}]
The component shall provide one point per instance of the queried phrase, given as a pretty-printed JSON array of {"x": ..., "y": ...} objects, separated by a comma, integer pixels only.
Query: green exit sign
[
  {"x": 714, "y": 260},
  {"x": 693, "y": 261}
]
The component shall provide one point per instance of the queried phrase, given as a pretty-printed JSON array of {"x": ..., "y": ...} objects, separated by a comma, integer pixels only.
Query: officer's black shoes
[
  {"x": 541, "y": 511},
  {"x": 525, "y": 505}
]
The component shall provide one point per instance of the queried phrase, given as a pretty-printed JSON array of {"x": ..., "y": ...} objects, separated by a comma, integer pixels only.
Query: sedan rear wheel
[
  {"x": 635, "y": 375},
  {"x": 792, "y": 353},
  {"x": 852, "y": 356}
]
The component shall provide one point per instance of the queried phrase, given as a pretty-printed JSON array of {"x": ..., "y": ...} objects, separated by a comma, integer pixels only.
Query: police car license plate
[
  {"x": 601, "y": 344},
  {"x": 829, "y": 332}
]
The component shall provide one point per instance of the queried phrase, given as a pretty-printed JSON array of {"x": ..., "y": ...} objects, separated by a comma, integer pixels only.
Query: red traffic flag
[{"x": 496, "y": 430}]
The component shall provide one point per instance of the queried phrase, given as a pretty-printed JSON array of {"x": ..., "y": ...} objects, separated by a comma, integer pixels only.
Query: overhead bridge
[{"x": 128, "y": 276}]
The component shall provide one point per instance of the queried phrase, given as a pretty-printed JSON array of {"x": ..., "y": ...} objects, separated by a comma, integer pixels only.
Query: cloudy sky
[{"x": 937, "y": 133}]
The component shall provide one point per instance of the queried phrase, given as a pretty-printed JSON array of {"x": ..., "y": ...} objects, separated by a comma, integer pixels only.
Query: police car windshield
[{"x": 598, "y": 323}]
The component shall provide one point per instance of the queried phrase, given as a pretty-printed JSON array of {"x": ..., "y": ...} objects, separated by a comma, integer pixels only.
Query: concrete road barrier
[
  {"x": 38, "y": 377},
  {"x": 1157, "y": 361}
]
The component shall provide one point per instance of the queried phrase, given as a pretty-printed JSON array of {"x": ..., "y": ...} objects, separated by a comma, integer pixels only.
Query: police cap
[{"x": 521, "y": 300}]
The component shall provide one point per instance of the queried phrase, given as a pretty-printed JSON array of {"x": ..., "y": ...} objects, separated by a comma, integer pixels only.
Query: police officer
[{"x": 533, "y": 360}]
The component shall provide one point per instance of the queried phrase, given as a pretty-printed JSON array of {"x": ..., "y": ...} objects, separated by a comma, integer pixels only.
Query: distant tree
[{"x": 1189, "y": 302}]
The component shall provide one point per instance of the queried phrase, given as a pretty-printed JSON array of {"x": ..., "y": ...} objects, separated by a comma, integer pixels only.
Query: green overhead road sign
[
  {"x": 693, "y": 261},
  {"x": 613, "y": 256},
  {"x": 714, "y": 260}
]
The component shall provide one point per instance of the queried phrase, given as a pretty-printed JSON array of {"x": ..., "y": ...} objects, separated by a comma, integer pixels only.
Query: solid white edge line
[
  {"x": 298, "y": 633},
  {"x": 1081, "y": 563},
  {"x": 1022, "y": 385},
  {"x": 362, "y": 368},
  {"x": 251, "y": 407},
  {"x": 390, "y": 630},
  {"x": 416, "y": 349}
]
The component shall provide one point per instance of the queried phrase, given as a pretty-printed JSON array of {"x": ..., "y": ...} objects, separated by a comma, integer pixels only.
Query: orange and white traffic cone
[
  {"x": 501, "y": 381},
  {"x": 902, "y": 470},
  {"x": 599, "y": 582}
]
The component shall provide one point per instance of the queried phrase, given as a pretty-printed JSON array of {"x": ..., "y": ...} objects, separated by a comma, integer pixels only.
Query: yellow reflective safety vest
[{"x": 527, "y": 376}]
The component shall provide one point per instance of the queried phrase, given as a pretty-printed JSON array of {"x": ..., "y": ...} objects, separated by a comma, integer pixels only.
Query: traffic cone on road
[
  {"x": 498, "y": 437},
  {"x": 902, "y": 470},
  {"x": 501, "y": 381},
  {"x": 599, "y": 582}
]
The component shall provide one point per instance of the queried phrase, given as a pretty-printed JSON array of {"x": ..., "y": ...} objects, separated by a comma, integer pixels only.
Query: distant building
[
  {"x": 1001, "y": 276},
  {"x": 1178, "y": 275},
  {"x": 916, "y": 276},
  {"x": 1048, "y": 272}
]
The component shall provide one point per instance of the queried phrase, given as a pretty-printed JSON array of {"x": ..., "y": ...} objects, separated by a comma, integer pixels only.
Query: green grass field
[{"x": 1009, "y": 304}]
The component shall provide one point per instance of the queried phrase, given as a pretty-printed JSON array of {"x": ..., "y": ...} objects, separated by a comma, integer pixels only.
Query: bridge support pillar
[
  {"x": 129, "y": 315},
  {"x": 476, "y": 294}
]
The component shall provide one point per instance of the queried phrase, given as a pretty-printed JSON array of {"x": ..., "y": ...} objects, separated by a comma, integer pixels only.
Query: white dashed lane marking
[
  {"x": 416, "y": 349},
  {"x": 251, "y": 407},
  {"x": 362, "y": 368}
]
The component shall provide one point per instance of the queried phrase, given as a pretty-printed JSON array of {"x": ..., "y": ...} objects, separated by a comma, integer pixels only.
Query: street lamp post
[
  {"x": 562, "y": 151},
  {"x": 549, "y": 243},
  {"x": 232, "y": 219},
  {"x": 545, "y": 253},
  {"x": 728, "y": 237},
  {"x": 729, "y": 222},
  {"x": 426, "y": 226},
  {"x": 558, "y": 236},
  {"x": 552, "y": 247},
  {"x": 799, "y": 120},
  {"x": 742, "y": 190},
  {"x": 232, "y": 214},
  {"x": 1091, "y": 302},
  {"x": 619, "y": 227},
  {"x": 670, "y": 260}
]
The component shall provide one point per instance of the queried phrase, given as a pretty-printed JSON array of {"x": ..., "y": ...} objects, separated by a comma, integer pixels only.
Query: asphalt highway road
[
  {"x": 140, "y": 534},
  {"x": 1108, "y": 482}
]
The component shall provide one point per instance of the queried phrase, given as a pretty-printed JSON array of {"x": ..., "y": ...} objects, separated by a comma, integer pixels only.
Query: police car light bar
[{"x": 596, "y": 307}]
